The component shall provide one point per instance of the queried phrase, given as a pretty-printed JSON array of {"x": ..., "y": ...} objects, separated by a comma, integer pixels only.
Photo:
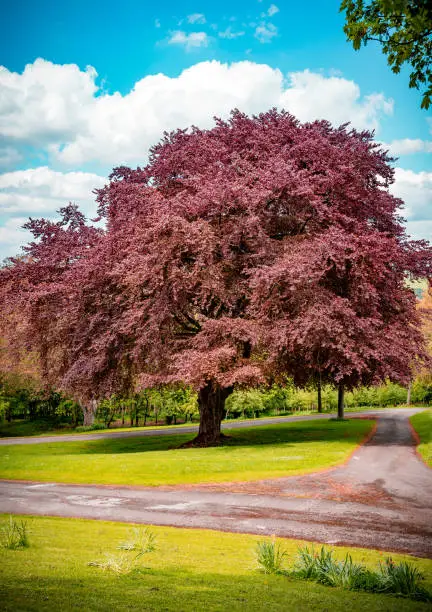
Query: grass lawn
[
  {"x": 422, "y": 423},
  {"x": 190, "y": 570},
  {"x": 250, "y": 454}
]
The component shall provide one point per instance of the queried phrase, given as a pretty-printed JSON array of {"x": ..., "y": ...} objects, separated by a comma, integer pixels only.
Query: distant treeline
[{"x": 170, "y": 406}]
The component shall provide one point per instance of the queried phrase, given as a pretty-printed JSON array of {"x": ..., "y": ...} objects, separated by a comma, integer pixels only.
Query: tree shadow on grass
[
  {"x": 289, "y": 434},
  {"x": 180, "y": 591}
]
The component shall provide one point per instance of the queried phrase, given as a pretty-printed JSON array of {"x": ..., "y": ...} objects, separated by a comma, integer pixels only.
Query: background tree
[
  {"x": 260, "y": 248},
  {"x": 404, "y": 30},
  {"x": 247, "y": 403}
]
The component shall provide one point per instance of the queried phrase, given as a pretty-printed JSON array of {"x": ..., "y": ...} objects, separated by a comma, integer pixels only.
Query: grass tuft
[
  {"x": 401, "y": 579},
  {"x": 121, "y": 564},
  {"x": 14, "y": 535},
  {"x": 143, "y": 541},
  {"x": 270, "y": 556}
]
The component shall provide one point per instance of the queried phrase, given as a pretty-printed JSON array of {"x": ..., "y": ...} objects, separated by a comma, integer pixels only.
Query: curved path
[{"x": 381, "y": 498}]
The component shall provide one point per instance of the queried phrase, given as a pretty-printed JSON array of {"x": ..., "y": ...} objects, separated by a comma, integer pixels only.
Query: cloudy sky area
[{"x": 91, "y": 85}]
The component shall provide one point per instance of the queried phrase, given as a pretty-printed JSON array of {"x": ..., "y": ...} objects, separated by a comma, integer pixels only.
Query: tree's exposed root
[{"x": 202, "y": 441}]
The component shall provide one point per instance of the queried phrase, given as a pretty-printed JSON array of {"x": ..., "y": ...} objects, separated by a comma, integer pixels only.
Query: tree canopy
[
  {"x": 240, "y": 254},
  {"x": 403, "y": 28}
]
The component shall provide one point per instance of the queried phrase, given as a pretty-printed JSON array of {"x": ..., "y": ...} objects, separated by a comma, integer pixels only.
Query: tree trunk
[
  {"x": 409, "y": 394},
  {"x": 89, "y": 411},
  {"x": 211, "y": 405},
  {"x": 319, "y": 397},
  {"x": 341, "y": 394}
]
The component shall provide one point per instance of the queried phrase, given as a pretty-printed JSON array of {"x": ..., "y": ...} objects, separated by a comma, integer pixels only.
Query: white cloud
[
  {"x": 265, "y": 32},
  {"x": 60, "y": 109},
  {"x": 45, "y": 102},
  {"x": 12, "y": 237},
  {"x": 313, "y": 96},
  {"x": 407, "y": 146},
  {"x": 273, "y": 9},
  {"x": 228, "y": 33},
  {"x": 190, "y": 41},
  {"x": 43, "y": 191},
  {"x": 196, "y": 18},
  {"x": 415, "y": 189}
]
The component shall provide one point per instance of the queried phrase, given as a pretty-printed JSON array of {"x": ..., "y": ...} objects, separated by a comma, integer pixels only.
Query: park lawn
[
  {"x": 270, "y": 451},
  {"x": 189, "y": 570},
  {"x": 422, "y": 423}
]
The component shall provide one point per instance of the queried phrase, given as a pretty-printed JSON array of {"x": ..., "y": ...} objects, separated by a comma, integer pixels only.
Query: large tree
[
  {"x": 404, "y": 30},
  {"x": 259, "y": 248}
]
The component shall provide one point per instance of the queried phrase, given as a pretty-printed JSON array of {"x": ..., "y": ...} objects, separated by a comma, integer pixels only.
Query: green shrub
[
  {"x": 402, "y": 579},
  {"x": 93, "y": 427},
  {"x": 421, "y": 392},
  {"x": 323, "y": 568}
]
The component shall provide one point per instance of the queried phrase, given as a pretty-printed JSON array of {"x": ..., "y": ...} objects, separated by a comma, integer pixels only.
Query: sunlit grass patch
[
  {"x": 189, "y": 570},
  {"x": 270, "y": 451}
]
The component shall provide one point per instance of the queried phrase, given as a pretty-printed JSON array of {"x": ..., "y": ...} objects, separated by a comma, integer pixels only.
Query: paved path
[
  {"x": 381, "y": 498},
  {"x": 169, "y": 431}
]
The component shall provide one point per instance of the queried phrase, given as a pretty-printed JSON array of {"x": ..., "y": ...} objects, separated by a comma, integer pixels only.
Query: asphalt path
[
  {"x": 381, "y": 498},
  {"x": 169, "y": 431}
]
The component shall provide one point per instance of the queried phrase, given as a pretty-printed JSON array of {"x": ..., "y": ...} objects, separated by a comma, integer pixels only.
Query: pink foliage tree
[{"x": 259, "y": 248}]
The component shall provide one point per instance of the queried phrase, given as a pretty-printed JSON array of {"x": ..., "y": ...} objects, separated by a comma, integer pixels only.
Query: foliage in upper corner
[{"x": 403, "y": 28}]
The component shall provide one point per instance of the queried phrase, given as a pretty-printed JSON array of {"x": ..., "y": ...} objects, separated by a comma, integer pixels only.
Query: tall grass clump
[
  {"x": 400, "y": 579},
  {"x": 270, "y": 556},
  {"x": 142, "y": 541},
  {"x": 324, "y": 568},
  {"x": 14, "y": 535}
]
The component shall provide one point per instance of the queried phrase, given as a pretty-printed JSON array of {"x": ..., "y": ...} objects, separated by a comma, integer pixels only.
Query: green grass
[
  {"x": 422, "y": 423},
  {"x": 258, "y": 452},
  {"x": 190, "y": 570}
]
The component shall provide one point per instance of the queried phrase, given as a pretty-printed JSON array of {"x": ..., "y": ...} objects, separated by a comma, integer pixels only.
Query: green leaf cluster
[{"x": 404, "y": 30}]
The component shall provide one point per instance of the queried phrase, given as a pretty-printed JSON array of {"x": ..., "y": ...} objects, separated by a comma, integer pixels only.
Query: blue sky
[{"x": 89, "y": 85}]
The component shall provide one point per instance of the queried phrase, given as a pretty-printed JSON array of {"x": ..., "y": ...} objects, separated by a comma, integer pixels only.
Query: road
[{"x": 381, "y": 498}]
